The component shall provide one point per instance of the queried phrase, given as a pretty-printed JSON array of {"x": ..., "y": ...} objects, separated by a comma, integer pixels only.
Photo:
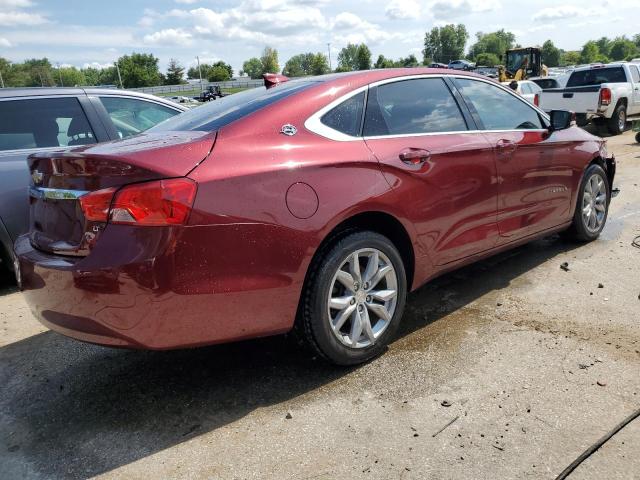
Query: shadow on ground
[{"x": 75, "y": 410}]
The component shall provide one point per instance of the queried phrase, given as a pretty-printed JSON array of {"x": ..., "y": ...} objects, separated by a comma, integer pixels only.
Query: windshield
[
  {"x": 596, "y": 76},
  {"x": 221, "y": 112}
]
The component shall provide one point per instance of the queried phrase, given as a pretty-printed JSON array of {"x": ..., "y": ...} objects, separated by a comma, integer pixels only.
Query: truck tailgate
[{"x": 575, "y": 99}]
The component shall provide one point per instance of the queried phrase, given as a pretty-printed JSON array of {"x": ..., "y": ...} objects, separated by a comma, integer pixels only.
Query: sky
[{"x": 95, "y": 33}]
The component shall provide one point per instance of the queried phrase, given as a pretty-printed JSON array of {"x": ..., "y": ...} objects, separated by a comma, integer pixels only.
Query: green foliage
[
  {"x": 604, "y": 46},
  {"x": 590, "y": 52},
  {"x": 444, "y": 44},
  {"x": 70, "y": 77},
  {"x": 496, "y": 43},
  {"x": 175, "y": 73},
  {"x": 383, "y": 62},
  {"x": 306, "y": 64},
  {"x": 207, "y": 68},
  {"x": 269, "y": 60},
  {"x": 253, "y": 67},
  {"x": 487, "y": 60},
  {"x": 354, "y": 57},
  {"x": 218, "y": 73},
  {"x": 622, "y": 49},
  {"x": 550, "y": 54},
  {"x": 139, "y": 70},
  {"x": 570, "y": 58}
]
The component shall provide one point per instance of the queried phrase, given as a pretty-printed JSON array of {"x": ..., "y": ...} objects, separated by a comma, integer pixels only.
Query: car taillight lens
[
  {"x": 536, "y": 100},
  {"x": 163, "y": 202},
  {"x": 95, "y": 205},
  {"x": 605, "y": 96}
]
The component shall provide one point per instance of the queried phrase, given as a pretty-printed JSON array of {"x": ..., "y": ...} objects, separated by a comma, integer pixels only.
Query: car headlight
[{"x": 603, "y": 150}]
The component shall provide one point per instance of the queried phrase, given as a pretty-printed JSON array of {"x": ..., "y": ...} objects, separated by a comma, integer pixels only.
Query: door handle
[
  {"x": 506, "y": 146},
  {"x": 415, "y": 156}
]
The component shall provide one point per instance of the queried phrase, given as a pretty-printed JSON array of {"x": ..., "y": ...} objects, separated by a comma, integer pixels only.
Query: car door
[
  {"x": 534, "y": 170},
  {"x": 30, "y": 125},
  {"x": 635, "y": 77},
  {"x": 127, "y": 116},
  {"x": 420, "y": 135}
]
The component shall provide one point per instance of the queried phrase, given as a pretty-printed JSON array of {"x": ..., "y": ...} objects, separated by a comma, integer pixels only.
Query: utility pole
[
  {"x": 200, "y": 72},
  {"x": 119, "y": 77},
  {"x": 60, "y": 74},
  {"x": 1, "y": 80},
  {"x": 329, "y": 50}
]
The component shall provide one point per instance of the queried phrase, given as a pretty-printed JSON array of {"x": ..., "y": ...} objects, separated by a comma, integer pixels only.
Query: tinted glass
[
  {"x": 131, "y": 116},
  {"x": 635, "y": 73},
  {"x": 496, "y": 108},
  {"x": 45, "y": 122},
  {"x": 596, "y": 76},
  {"x": 546, "y": 83},
  {"x": 422, "y": 105},
  {"x": 223, "y": 111},
  {"x": 347, "y": 116}
]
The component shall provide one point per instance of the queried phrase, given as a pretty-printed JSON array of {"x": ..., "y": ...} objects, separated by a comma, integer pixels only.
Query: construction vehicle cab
[{"x": 522, "y": 63}]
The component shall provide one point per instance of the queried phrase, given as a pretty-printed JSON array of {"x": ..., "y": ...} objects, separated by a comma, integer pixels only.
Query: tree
[
  {"x": 253, "y": 67},
  {"x": 71, "y": 77},
  {"x": 205, "y": 68},
  {"x": 139, "y": 70},
  {"x": 91, "y": 76},
  {"x": 589, "y": 52},
  {"x": 636, "y": 40},
  {"x": 622, "y": 49},
  {"x": 496, "y": 42},
  {"x": 604, "y": 46},
  {"x": 570, "y": 58},
  {"x": 487, "y": 60},
  {"x": 550, "y": 54},
  {"x": 383, "y": 62},
  {"x": 269, "y": 60},
  {"x": 306, "y": 64},
  {"x": 175, "y": 73},
  {"x": 218, "y": 73},
  {"x": 354, "y": 57},
  {"x": 444, "y": 44},
  {"x": 410, "y": 61}
]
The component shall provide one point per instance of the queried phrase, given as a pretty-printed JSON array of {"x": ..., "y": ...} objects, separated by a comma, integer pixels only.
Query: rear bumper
[{"x": 175, "y": 287}]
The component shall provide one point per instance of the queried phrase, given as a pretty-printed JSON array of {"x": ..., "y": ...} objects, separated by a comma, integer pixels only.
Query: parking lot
[{"x": 524, "y": 363}]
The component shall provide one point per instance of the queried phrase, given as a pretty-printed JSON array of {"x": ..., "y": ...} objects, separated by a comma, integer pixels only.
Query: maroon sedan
[{"x": 313, "y": 205}]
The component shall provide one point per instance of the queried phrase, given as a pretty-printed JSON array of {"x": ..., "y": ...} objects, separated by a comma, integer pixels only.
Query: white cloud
[
  {"x": 15, "y": 3},
  {"x": 442, "y": 9},
  {"x": 186, "y": 2},
  {"x": 403, "y": 9},
  {"x": 98, "y": 65},
  {"x": 74, "y": 36},
  {"x": 169, "y": 36},
  {"x": 5, "y": 43},
  {"x": 564, "y": 12},
  {"x": 17, "y": 18}
]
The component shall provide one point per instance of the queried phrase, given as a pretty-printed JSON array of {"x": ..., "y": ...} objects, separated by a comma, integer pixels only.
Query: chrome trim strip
[
  {"x": 314, "y": 124},
  {"x": 56, "y": 193}
]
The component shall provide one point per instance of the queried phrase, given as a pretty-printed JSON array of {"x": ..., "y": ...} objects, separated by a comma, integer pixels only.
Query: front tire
[
  {"x": 592, "y": 206},
  {"x": 618, "y": 121},
  {"x": 354, "y": 298}
]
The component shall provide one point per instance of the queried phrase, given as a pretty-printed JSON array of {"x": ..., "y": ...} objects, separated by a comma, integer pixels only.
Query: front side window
[
  {"x": 423, "y": 105},
  {"x": 42, "y": 123},
  {"x": 346, "y": 117},
  {"x": 131, "y": 116},
  {"x": 496, "y": 108},
  {"x": 635, "y": 73}
]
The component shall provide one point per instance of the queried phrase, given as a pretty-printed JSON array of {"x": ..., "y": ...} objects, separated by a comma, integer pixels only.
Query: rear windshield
[
  {"x": 596, "y": 76},
  {"x": 218, "y": 113}
]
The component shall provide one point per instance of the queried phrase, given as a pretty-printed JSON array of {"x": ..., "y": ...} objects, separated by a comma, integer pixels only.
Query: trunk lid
[{"x": 59, "y": 179}]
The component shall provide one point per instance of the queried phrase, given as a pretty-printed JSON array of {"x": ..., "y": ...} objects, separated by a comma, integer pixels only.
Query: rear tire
[
  {"x": 638, "y": 137},
  {"x": 353, "y": 299},
  {"x": 592, "y": 206},
  {"x": 618, "y": 121}
]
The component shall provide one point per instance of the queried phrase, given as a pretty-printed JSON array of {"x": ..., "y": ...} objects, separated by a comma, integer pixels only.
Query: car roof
[{"x": 54, "y": 91}]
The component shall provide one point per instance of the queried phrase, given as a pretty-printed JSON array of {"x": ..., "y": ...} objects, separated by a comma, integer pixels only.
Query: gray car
[{"x": 48, "y": 119}]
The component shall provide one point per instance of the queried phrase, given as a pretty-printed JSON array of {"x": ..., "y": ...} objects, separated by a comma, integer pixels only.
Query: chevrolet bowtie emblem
[{"x": 37, "y": 177}]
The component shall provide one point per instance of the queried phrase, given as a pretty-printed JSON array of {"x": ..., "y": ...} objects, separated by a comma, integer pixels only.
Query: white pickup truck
[{"x": 605, "y": 94}]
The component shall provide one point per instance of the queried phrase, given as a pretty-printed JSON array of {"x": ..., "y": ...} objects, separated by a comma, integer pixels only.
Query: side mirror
[{"x": 561, "y": 120}]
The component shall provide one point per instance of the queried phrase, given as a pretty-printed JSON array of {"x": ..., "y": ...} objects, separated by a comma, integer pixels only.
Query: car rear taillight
[
  {"x": 161, "y": 202},
  {"x": 536, "y": 100},
  {"x": 605, "y": 96}
]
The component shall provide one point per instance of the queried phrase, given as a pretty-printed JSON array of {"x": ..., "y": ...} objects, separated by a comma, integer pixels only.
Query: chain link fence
[{"x": 189, "y": 87}]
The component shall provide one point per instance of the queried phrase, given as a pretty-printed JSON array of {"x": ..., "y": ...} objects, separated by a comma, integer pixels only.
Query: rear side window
[
  {"x": 496, "y": 108},
  {"x": 417, "y": 106},
  {"x": 347, "y": 116},
  {"x": 131, "y": 116},
  {"x": 221, "y": 112},
  {"x": 635, "y": 73},
  {"x": 44, "y": 122},
  {"x": 596, "y": 76},
  {"x": 546, "y": 83}
]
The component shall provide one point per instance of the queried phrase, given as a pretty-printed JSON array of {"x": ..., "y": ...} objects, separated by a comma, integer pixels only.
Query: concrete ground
[{"x": 536, "y": 363}]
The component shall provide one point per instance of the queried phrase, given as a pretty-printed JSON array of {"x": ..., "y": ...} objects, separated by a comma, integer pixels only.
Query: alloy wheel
[
  {"x": 362, "y": 298},
  {"x": 594, "y": 203}
]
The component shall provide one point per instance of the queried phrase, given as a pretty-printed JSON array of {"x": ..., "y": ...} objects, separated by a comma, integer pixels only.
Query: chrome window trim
[
  {"x": 314, "y": 124},
  {"x": 56, "y": 193}
]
